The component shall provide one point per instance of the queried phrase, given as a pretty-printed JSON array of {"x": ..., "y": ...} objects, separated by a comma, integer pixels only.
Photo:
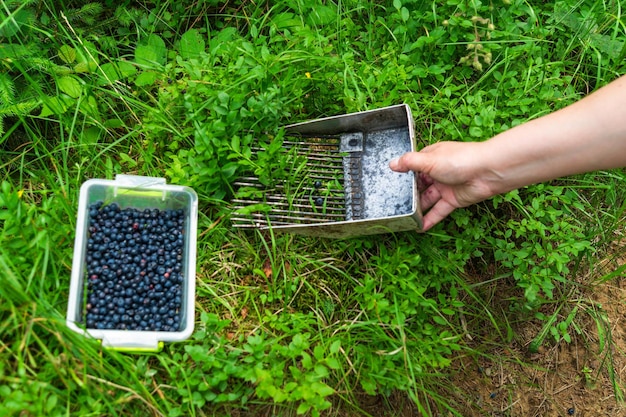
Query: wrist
[
  {"x": 508, "y": 161},
  {"x": 491, "y": 169}
]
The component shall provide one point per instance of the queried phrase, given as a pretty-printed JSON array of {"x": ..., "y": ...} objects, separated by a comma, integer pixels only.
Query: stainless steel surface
[{"x": 345, "y": 187}]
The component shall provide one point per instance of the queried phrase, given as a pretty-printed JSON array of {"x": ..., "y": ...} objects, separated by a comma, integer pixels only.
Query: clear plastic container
[{"x": 130, "y": 191}]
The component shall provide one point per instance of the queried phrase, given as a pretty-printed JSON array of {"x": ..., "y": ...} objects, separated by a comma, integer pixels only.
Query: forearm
[{"x": 586, "y": 136}]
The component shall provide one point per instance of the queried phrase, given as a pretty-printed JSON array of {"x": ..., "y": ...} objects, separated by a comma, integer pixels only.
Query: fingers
[
  {"x": 423, "y": 181},
  {"x": 437, "y": 213},
  {"x": 437, "y": 209},
  {"x": 429, "y": 197}
]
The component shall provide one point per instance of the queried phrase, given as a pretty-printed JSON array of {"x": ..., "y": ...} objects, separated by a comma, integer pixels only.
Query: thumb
[{"x": 410, "y": 161}]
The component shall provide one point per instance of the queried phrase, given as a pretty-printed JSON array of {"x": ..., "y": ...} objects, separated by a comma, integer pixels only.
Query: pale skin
[{"x": 586, "y": 136}]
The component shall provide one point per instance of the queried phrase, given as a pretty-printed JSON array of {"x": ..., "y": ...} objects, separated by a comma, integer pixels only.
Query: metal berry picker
[{"x": 347, "y": 188}]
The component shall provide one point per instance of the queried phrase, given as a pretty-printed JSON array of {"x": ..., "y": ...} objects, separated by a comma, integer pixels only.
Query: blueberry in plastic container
[
  {"x": 134, "y": 264},
  {"x": 133, "y": 270}
]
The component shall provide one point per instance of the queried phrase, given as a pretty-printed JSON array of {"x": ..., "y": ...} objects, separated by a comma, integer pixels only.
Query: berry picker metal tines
[
  {"x": 133, "y": 271},
  {"x": 340, "y": 184}
]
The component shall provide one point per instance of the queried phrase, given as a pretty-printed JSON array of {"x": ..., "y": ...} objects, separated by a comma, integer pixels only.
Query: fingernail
[{"x": 393, "y": 162}]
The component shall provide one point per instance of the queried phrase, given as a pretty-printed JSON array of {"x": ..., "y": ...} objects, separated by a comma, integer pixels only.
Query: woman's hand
[{"x": 450, "y": 177}]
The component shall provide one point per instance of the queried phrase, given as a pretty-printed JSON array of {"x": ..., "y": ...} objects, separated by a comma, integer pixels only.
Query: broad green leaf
[
  {"x": 235, "y": 143},
  {"x": 126, "y": 69},
  {"x": 322, "y": 389},
  {"x": 285, "y": 20},
  {"x": 476, "y": 132},
  {"x": 322, "y": 15},
  {"x": 113, "y": 123},
  {"x": 6, "y": 214},
  {"x": 307, "y": 363},
  {"x": 151, "y": 51},
  {"x": 55, "y": 106},
  {"x": 89, "y": 106},
  {"x": 81, "y": 67},
  {"x": 191, "y": 44},
  {"x": 86, "y": 58},
  {"x": 197, "y": 353},
  {"x": 229, "y": 169},
  {"x": 51, "y": 402},
  {"x": 303, "y": 408},
  {"x": 67, "y": 54},
  {"x": 146, "y": 55},
  {"x": 321, "y": 371},
  {"x": 91, "y": 135},
  {"x": 223, "y": 97},
  {"x": 224, "y": 36},
  {"x": 319, "y": 352},
  {"x": 333, "y": 363},
  {"x": 146, "y": 78},
  {"x": 70, "y": 86},
  {"x": 405, "y": 14},
  {"x": 606, "y": 45},
  {"x": 567, "y": 337},
  {"x": 114, "y": 71},
  {"x": 130, "y": 161},
  {"x": 254, "y": 208},
  {"x": 61, "y": 70},
  {"x": 221, "y": 110}
]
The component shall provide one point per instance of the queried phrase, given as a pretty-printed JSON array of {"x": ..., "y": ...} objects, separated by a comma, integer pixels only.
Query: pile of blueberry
[{"x": 134, "y": 268}]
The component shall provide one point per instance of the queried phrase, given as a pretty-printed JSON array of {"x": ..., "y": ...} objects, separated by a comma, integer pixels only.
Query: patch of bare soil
[{"x": 582, "y": 378}]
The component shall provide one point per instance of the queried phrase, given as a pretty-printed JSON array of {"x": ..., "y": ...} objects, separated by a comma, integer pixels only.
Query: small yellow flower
[
  {"x": 20, "y": 193},
  {"x": 307, "y": 74}
]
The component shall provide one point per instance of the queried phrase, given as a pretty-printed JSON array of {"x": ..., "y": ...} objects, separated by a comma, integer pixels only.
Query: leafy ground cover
[{"x": 287, "y": 325}]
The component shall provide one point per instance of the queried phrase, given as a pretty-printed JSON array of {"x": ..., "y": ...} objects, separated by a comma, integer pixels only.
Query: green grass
[{"x": 289, "y": 325}]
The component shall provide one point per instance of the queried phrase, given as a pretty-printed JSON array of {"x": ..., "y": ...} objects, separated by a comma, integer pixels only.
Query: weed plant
[{"x": 288, "y": 325}]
